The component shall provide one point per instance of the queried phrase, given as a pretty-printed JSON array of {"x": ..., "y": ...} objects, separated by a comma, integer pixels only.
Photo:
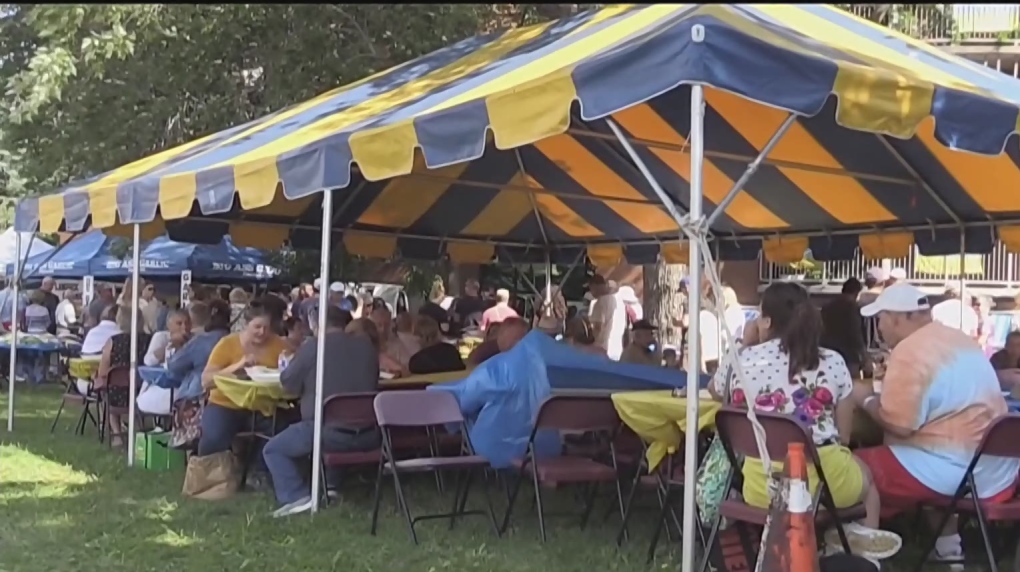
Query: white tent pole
[
  {"x": 320, "y": 342},
  {"x": 963, "y": 280},
  {"x": 14, "y": 333},
  {"x": 136, "y": 254},
  {"x": 697, "y": 142}
]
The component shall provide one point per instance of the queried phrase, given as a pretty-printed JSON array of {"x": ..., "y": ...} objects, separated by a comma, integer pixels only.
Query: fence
[{"x": 946, "y": 23}]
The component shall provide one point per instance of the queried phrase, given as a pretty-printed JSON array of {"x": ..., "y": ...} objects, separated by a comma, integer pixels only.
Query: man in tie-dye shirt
[{"x": 939, "y": 395}]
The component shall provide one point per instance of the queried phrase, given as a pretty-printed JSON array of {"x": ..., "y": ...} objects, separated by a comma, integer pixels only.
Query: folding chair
[
  {"x": 349, "y": 410},
  {"x": 90, "y": 407},
  {"x": 737, "y": 435},
  {"x": 570, "y": 413},
  {"x": 426, "y": 409},
  {"x": 1000, "y": 440},
  {"x": 117, "y": 377}
]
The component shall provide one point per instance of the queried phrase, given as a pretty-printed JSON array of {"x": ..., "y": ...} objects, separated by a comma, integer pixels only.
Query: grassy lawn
[{"x": 69, "y": 503}]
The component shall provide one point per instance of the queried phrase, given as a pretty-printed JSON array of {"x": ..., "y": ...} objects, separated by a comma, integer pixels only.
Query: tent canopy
[
  {"x": 10, "y": 254},
  {"x": 92, "y": 253},
  {"x": 500, "y": 140}
]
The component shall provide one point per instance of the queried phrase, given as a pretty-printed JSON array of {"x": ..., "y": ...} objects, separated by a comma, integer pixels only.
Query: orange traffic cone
[{"x": 788, "y": 542}]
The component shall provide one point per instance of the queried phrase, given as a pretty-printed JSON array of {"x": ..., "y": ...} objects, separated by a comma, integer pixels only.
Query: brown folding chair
[
  {"x": 737, "y": 435},
  {"x": 352, "y": 410},
  {"x": 90, "y": 407},
  {"x": 595, "y": 415},
  {"x": 424, "y": 410},
  {"x": 1000, "y": 440}
]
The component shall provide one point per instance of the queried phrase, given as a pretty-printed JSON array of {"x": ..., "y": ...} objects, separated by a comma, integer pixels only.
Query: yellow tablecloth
[
  {"x": 426, "y": 379},
  {"x": 660, "y": 419},
  {"x": 266, "y": 396},
  {"x": 261, "y": 396},
  {"x": 83, "y": 368}
]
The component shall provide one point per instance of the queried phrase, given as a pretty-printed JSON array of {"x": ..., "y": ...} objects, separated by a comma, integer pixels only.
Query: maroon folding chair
[
  {"x": 595, "y": 415},
  {"x": 352, "y": 410},
  {"x": 117, "y": 377},
  {"x": 1000, "y": 440},
  {"x": 425, "y": 410},
  {"x": 737, "y": 435}
]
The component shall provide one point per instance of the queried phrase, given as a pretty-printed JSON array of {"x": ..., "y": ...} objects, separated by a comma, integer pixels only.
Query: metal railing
[
  {"x": 999, "y": 268},
  {"x": 947, "y": 23}
]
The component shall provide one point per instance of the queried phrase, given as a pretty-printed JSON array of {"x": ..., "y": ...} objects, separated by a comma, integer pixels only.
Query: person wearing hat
[
  {"x": 939, "y": 396},
  {"x": 956, "y": 312},
  {"x": 643, "y": 348}
]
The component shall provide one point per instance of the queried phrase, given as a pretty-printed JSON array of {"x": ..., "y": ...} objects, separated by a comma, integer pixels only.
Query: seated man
[
  {"x": 642, "y": 349},
  {"x": 939, "y": 396},
  {"x": 351, "y": 366},
  {"x": 1007, "y": 362}
]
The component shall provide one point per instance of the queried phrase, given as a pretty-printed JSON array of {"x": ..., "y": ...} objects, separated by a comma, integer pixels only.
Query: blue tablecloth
[
  {"x": 42, "y": 348},
  {"x": 156, "y": 375}
]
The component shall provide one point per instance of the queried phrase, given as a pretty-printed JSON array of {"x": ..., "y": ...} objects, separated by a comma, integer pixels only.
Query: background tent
[
  {"x": 9, "y": 255},
  {"x": 502, "y": 140},
  {"x": 94, "y": 253}
]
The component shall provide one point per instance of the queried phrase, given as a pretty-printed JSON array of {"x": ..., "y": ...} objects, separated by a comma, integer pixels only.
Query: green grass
[{"x": 69, "y": 503}]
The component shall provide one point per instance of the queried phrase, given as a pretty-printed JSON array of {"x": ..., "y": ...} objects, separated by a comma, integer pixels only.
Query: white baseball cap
[
  {"x": 317, "y": 283},
  {"x": 336, "y": 287},
  {"x": 898, "y": 274},
  {"x": 900, "y": 297}
]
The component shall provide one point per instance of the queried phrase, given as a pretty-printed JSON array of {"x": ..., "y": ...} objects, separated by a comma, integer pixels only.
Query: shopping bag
[{"x": 212, "y": 477}]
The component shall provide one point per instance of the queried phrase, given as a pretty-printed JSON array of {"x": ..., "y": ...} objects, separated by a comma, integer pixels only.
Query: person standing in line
[
  {"x": 501, "y": 311},
  {"x": 50, "y": 301},
  {"x": 956, "y": 312},
  {"x": 608, "y": 317}
]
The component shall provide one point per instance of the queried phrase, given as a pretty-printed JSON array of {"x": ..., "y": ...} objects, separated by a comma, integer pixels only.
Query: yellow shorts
[{"x": 844, "y": 475}]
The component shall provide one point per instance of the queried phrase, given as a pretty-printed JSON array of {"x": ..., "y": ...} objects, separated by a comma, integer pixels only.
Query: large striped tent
[{"x": 499, "y": 142}]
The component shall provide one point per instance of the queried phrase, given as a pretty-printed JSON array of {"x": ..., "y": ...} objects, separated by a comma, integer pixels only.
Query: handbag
[
  {"x": 187, "y": 425},
  {"x": 212, "y": 477}
]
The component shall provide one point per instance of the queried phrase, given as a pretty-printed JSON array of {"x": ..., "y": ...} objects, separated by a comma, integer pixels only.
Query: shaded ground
[{"x": 68, "y": 503}]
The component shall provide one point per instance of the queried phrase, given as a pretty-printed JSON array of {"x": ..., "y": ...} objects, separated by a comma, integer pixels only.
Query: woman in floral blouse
[{"x": 786, "y": 371}]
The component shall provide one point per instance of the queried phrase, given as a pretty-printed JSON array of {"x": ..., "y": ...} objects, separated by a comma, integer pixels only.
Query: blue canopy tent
[{"x": 93, "y": 254}]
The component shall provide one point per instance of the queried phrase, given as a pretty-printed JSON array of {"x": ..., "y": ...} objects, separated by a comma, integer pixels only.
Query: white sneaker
[
  {"x": 296, "y": 507},
  {"x": 952, "y": 558},
  {"x": 870, "y": 543}
]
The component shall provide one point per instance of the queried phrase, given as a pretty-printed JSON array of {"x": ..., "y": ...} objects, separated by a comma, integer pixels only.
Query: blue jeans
[
  {"x": 220, "y": 426},
  {"x": 294, "y": 444}
]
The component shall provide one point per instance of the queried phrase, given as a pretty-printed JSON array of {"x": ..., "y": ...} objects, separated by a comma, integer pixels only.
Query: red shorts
[{"x": 899, "y": 490}]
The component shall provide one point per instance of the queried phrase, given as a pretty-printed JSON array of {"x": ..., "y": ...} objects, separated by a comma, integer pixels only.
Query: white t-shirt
[
  {"x": 711, "y": 340},
  {"x": 66, "y": 316},
  {"x": 97, "y": 337},
  {"x": 811, "y": 397},
  {"x": 734, "y": 318},
  {"x": 610, "y": 319},
  {"x": 160, "y": 341},
  {"x": 947, "y": 313}
]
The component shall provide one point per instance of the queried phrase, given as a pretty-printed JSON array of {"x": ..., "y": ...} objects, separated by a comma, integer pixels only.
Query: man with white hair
[
  {"x": 939, "y": 396},
  {"x": 501, "y": 311},
  {"x": 956, "y": 311}
]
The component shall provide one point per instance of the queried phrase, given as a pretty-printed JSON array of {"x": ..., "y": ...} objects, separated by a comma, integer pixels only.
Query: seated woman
[
  {"x": 33, "y": 365},
  {"x": 153, "y": 399},
  {"x": 581, "y": 335},
  {"x": 405, "y": 332},
  {"x": 257, "y": 344},
  {"x": 117, "y": 355},
  {"x": 95, "y": 340},
  {"x": 297, "y": 332},
  {"x": 1007, "y": 362},
  {"x": 786, "y": 371},
  {"x": 488, "y": 348},
  {"x": 435, "y": 355}
]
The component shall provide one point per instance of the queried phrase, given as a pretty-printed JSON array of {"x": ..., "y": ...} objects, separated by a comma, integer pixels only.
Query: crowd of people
[{"x": 933, "y": 392}]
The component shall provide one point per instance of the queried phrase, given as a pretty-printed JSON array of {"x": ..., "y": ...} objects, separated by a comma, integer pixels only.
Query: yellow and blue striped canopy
[{"x": 500, "y": 141}]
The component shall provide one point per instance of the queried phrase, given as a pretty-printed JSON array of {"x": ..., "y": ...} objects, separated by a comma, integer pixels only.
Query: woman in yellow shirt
[{"x": 256, "y": 344}]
